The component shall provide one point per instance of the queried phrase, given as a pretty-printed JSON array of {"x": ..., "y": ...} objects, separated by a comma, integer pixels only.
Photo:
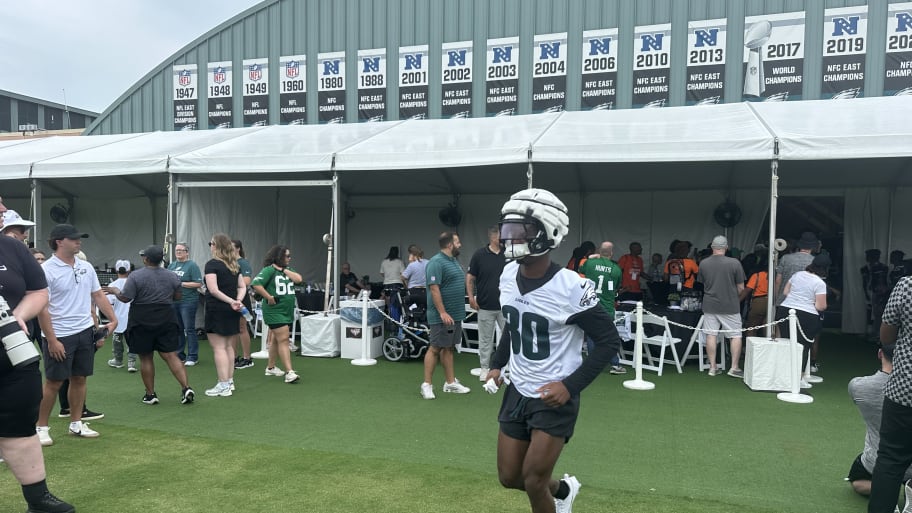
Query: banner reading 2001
[
  {"x": 651, "y": 65},
  {"x": 186, "y": 94},
  {"x": 413, "y": 82},
  {"x": 774, "y": 56},
  {"x": 845, "y": 33},
  {"x": 502, "y": 76}
]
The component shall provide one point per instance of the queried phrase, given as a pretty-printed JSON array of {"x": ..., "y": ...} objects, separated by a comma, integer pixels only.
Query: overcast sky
[{"x": 97, "y": 49}]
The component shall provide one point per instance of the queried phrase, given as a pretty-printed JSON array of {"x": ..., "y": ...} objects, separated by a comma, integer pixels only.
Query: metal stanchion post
[
  {"x": 795, "y": 395},
  {"x": 365, "y": 359}
]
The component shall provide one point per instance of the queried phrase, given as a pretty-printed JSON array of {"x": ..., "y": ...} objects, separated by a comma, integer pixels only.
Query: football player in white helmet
[{"x": 548, "y": 310}]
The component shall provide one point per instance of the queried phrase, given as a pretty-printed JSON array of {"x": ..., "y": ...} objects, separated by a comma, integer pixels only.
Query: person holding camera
[{"x": 23, "y": 288}]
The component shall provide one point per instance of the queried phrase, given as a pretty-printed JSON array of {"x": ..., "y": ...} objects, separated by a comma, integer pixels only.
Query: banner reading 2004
[{"x": 549, "y": 72}]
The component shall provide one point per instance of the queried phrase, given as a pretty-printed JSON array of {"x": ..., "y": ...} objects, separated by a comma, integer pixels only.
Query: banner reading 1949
[
  {"x": 456, "y": 80},
  {"x": 599, "y": 84},
  {"x": 651, "y": 65},
  {"x": 845, "y": 33},
  {"x": 413, "y": 82},
  {"x": 706, "y": 61},
  {"x": 372, "y": 84},
  {"x": 331, "y": 87},
  {"x": 293, "y": 89},
  {"x": 549, "y": 72},
  {"x": 774, "y": 56},
  {"x": 220, "y": 94},
  {"x": 186, "y": 94},
  {"x": 256, "y": 92},
  {"x": 898, "y": 65},
  {"x": 502, "y": 76}
]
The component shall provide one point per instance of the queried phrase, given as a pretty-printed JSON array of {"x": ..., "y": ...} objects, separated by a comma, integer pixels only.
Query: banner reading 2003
[{"x": 502, "y": 76}]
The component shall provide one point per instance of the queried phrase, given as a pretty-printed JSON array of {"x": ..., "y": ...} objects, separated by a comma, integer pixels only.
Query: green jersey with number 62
[
  {"x": 282, "y": 289},
  {"x": 606, "y": 274}
]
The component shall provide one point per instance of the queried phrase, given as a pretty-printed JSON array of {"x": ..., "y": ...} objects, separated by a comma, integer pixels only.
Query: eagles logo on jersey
[{"x": 590, "y": 298}]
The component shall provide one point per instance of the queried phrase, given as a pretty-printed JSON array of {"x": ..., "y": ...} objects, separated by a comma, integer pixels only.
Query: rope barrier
[{"x": 705, "y": 330}]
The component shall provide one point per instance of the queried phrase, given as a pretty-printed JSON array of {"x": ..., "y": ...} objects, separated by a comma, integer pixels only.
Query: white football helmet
[{"x": 532, "y": 222}]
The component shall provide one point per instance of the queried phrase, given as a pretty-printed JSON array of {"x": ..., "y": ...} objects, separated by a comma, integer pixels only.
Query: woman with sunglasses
[
  {"x": 225, "y": 290},
  {"x": 276, "y": 285}
]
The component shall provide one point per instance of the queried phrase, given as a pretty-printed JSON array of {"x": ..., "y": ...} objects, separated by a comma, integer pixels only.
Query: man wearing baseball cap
[{"x": 723, "y": 280}]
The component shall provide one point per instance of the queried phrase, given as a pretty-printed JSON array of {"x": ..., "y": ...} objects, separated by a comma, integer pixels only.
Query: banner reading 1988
[
  {"x": 293, "y": 90},
  {"x": 549, "y": 72},
  {"x": 413, "y": 82},
  {"x": 220, "y": 94},
  {"x": 186, "y": 94},
  {"x": 774, "y": 56},
  {"x": 651, "y": 65},
  {"x": 705, "y": 61},
  {"x": 845, "y": 33},
  {"x": 898, "y": 65},
  {"x": 599, "y": 84},
  {"x": 372, "y": 84},
  {"x": 456, "y": 80},
  {"x": 256, "y": 92},
  {"x": 331, "y": 87},
  {"x": 502, "y": 76}
]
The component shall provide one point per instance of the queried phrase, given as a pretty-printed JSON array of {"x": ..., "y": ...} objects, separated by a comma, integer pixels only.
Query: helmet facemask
[{"x": 522, "y": 236}]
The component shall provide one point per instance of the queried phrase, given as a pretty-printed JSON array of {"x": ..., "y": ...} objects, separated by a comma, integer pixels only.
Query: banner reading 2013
[
  {"x": 502, "y": 76},
  {"x": 456, "y": 80},
  {"x": 293, "y": 89},
  {"x": 186, "y": 94},
  {"x": 898, "y": 64},
  {"x": 651, "y": 65},
  {"x": 331, "y": 87},
  {"x": 256, "y": 92},
  {"x": 845, "y": 33},
  {"x": 705, "y": 61},
  {"x": 220, "y": 94},
  {"x": 372, "y": 84},
  {"x": 549, "y": 72},
  {"x": 413, "y": 82},
  {"x": 599, "y": 84},
  {"x": 774, "y": 56}
]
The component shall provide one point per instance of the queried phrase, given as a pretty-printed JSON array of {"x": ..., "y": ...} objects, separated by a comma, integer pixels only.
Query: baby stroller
[{"x": 407, "y": 345}]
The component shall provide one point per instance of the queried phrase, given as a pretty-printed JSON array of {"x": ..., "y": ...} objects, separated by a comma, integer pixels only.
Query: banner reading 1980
[
  {"x": 706, "y": 61},
  {"x": 502, "y": 76},
  {"x": 413, "y": 82},
  {"x": 651, "y": 65},
  {"x": 256, "y": 92},
  {"x": 845, "y": 33},
  {"x": 898, "y": 65},
  {"x": 456, "y": 80},
  {"x": 599, "y": 84},
  {"x": 549, "y": 72},
  {"x": 220, "y": 94},
  {"x": 774, "y": 56},
  {"x": 293, "y": 90},
  {"x": 331, "y": 87},
  {"x": 372, "y": 84},
  {"x": 186, "y": 94}
]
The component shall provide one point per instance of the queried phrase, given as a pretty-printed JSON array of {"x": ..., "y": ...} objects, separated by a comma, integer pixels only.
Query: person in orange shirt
[
  {"x": 758, "y": 285},
  {"x": 631, "y": 274},
  {"x": 680, "y": 270}
]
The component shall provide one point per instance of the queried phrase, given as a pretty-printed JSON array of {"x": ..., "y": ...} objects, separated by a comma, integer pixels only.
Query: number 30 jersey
[{"x": 543, "y": 346}]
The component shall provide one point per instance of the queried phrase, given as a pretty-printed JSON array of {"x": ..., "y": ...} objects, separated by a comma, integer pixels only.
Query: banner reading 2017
[
  {"x": 549, "y": 72},
  {"x": 599, "y": 84},
  {"x": 331, "y": 87},
  {"x": 774, "y": 56},
  {"x": 502, "y": 76},
  {"x": 898, "y": 64},
  {"x": 651, "y": 65},
  {"x": 845, "y": 33},
  {"x": 705, "y": 61},
  {"x": 220, "y": 82},
  {"x": 186, "y": 94}
]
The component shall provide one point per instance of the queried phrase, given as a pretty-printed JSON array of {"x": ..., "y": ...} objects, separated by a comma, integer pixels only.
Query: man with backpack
[{"x": 680, "y": 271}]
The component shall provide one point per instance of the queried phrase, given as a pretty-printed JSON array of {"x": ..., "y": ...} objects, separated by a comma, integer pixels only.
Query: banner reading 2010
[{"x": 651, "y": 65}]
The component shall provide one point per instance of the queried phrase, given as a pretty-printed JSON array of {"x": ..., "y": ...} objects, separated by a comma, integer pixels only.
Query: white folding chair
[
  {"x": 622, "y": 323},
  {"x": 699, "y": 339},
  {"x": 469, "y": 342},
  {"x": 663, "y": 341}
]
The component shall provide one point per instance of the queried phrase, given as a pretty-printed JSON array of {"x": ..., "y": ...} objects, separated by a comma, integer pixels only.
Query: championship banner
[
  {"x": 549, "y": 72},
  {"x": 219, "y": 78},
  {"x": 651, "y": 65},
  {"x": 372, "y": 84},
  {"x": 256, "y": 92},
  {"x": 898, "y": 64},
  {"x": 456, "y": 80},
  {"x": 502, "y": 76},
  {"x": 413, "y": 82},
  {"x": 186, "y": 94},
  {"x": 599, "y": 84},
  {"x": 706, "y": 61},
  {"x": 845, "y": 34},
  {"x": 774, "y": 56},
  {"x": 331, "y": 87},
  {"x": 293, "y": 90}
]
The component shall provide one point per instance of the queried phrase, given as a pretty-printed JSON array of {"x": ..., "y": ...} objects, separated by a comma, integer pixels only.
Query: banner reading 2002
[{"x": 456, "y": 80}]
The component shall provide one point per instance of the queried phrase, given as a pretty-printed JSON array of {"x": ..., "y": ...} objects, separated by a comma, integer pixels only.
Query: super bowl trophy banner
[
  {"x": 372, "y": 84},
  {"x": 293, "y": 90},
  {"x": 331, "y": 87},
  {"x": 705, "y": 61},
  {"x": 456, "y": 80},
  {"x": 651, "y": 65},
  {"x": 413, "y": 82},
  {"x": 898, "y": 64},
  {"x": 845, "y": 34},
  {"x": 599, "y": 83},
  {"x": 549, "y": 72},
  {"x": 186, "y": 94},
  {"x": 774, "y": 56},
  {"x": 219, "y": 79},
  {"x": 502, "y": 76},
  {"x": 256, "y": 92}
]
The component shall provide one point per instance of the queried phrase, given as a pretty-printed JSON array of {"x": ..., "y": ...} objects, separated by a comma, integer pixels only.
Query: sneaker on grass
[
  {"x": 221, "y": 389},
  {"x": 43, "y": 436},
  {"x": 131, "y": 367},
  {"x": 483, "y": 374},
  {"x": 231, "y": 384},
  {"x": 88, "y": 414},
  {"x": 243, "y": 363},
  {"x": 291, "y": 376},
  {"x": 714, "y": 372},
  {"x": 274, "y": 371},
  {"x": 114, "y": 362},
  {"x": 150, "y": 398},
  {"x": 187, "y": 395},
  {"x": 82, "y": 429},
  {"x": 50, "y": 504},
  {"x": 427, "y": 391},
  {"x": 456, "y": 388},
  {"x": 617, "y": 369},
  {"x": 736, "y": 373},
  {"x": 566, "y": 505}
]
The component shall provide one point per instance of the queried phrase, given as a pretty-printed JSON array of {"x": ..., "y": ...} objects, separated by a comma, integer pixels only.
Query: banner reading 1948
[
  {"x": 599, "y": 84},
  {"x": 413, "y": 82},
  {"x": 186, "y": 94},
  {"x": 705, "y": 61},
  {"x": 651, "y": 65},
  {"x": 293, "y": 90},
  {"x": 845, "y": 33},
  {"x": 502, "y": 76},
  {"x": 774, "y": 56},
  {"x": 372, "y": 84},
  {"x": 220, "y": 94},
  {"x": 898, "y": 64},
  {"x": 549, "y": 72},
  {"x": 256, "y": 92},
  {"x": 331, "y": 87},
  {"x": 456, "y": 80}
]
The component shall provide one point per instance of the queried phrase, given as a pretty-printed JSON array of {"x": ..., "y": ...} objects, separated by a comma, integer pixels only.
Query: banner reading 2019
[
  {"x": 845, "y": 33},
  {"x": 502, "y": 76},
  {"x": 774, "y": 56}
]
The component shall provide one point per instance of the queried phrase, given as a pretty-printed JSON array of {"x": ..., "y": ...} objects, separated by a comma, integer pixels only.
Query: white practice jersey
[{"x": 544, "y": 348}]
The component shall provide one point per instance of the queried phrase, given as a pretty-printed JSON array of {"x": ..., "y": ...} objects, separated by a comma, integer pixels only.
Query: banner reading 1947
[
  {"x": 186, "y": 94},
  {"x": 549, "y": 72},
  {"x": 502, "y": 76},
  {"x": 293, "y": 90},
  {"x": 331, "y": 87},
  {"x": 599, "y": 84},
  {"x": 456, "y": 80},
  {"x": 845, "y": 33},
  {"x": 898, "y": 64},
  {"x": 705, "y": 61},
  {"x": 256, "y": 92},
  {"x": 372, "y": 84},
  {"x": 774, "y": 56},
  {"x": 220, "y": 94},
  {"x": 651, "y": 65},
  {"x": 413, "y": 82}
]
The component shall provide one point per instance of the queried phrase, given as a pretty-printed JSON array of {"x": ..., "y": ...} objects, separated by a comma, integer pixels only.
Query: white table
[
  {"x": 320, "y": 335},
  {"x": 768, "y": 364}
]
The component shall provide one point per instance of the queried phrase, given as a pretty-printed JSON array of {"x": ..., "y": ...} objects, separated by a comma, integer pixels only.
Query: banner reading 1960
[
  {"x": 256, "y": 92},
  {"x": 549, "y": 72},
  {"x": 845, "y": 33},
  {"x": 413, "y": 82},
  {"x": 220, "y": 94},
  {"x": 186, "y": 94},
  {"x": 502, "y": 76},
  {"x": 456, "y": 80},
  {"x": 331, "y": 87},
  {"x": 774, "y": 56},
  {"x": 599, "y": 84},
  {"x": 651, "y": 65},
  {"x": 293, "y": 89},
  {"x": 898, "y": 65},
  {"x": 372, "y": 84},
  {"x": 706, "y": 61}
]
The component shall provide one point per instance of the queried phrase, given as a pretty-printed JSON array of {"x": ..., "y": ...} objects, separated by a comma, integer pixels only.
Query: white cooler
[
  {"x": 320, "y": 335},
  {"x": 768, "y": 364}
]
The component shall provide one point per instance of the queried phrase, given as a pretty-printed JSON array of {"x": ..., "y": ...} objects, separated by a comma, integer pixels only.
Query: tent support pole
[
  {"x": 36, "y": 211},
  {"x": 530, "y": 170},
  {"x": 771, "y": 269}
]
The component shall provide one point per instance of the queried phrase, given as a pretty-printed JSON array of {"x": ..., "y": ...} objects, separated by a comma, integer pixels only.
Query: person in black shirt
[{"x": 482, "y": 286}]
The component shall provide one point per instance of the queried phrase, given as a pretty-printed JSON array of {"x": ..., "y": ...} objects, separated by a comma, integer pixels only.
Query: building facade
[{"x": 20, "y": 113}]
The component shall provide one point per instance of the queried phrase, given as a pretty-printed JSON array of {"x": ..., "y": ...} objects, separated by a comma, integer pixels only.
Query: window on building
[
  {"x": 53, "y": 119},
  {"x": 6, "y": 124},
  {"x": 28, "y": 114}
]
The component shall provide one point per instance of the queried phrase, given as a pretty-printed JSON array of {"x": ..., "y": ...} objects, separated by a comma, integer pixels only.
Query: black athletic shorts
[
  {"x": 163, "y": 338},
  {"x": 20, "y": 389},
  {"x": 858, "y": 472},
  {"x": 519, "y": 415}
]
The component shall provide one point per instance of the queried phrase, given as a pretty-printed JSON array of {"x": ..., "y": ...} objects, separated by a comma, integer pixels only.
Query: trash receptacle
[{"x": 351, "y": 328}]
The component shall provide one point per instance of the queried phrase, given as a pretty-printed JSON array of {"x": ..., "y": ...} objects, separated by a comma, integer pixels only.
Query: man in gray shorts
[{"x": 723, "y": 279}]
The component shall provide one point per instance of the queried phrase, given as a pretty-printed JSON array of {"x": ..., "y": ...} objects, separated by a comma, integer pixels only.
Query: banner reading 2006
[
  {"x": 705, "y": 61},
  {"x": 549, "y": 72},
  {"x": 186, "y": 94},
  {"x": 599, "y": 84},
  {"x": 845, "y": 33},
  {"x": 331, "y": 87},
  {"x": 220, "y": 94},
  {"x": 774, "y": 56},
  {"x": 293, "y": 90},
  {"x": 456, "y": 80},
  {"x": 502, "y": 76},
  {"x": 898, "y": 65}
]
